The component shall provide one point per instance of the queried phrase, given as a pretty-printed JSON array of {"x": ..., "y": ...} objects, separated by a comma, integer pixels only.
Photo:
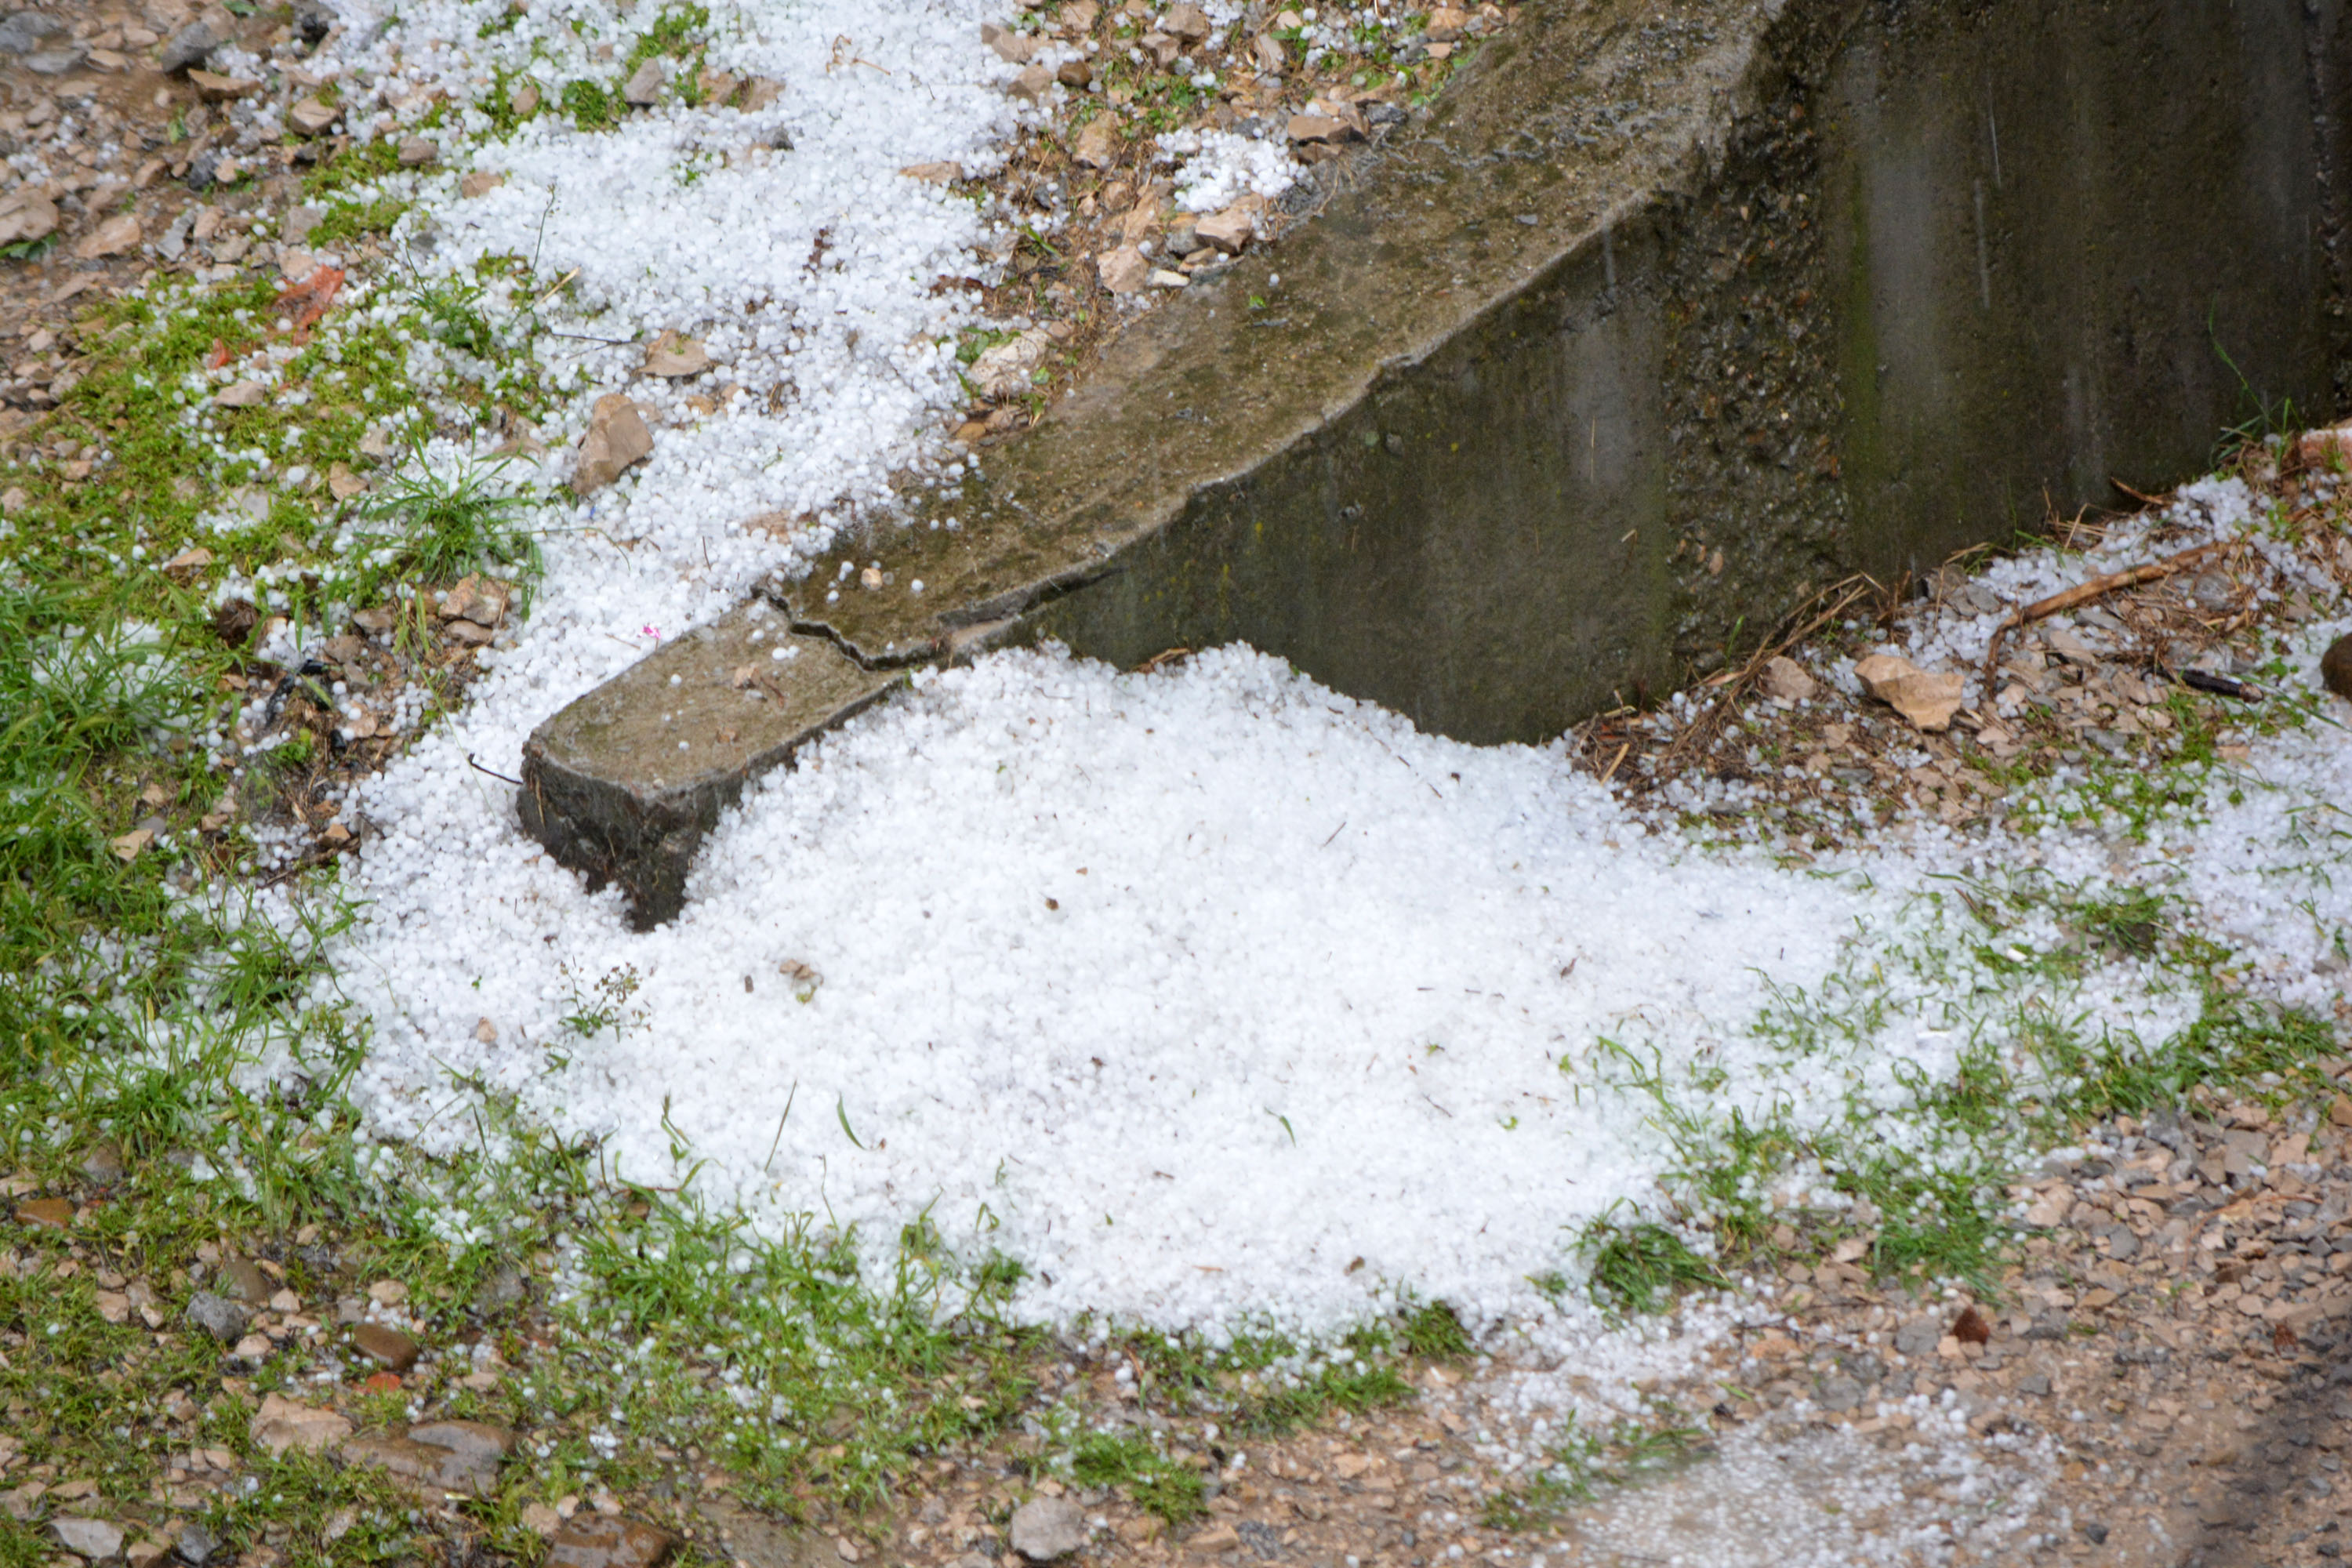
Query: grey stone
[
  {"x": 196, "y": 1545},
  {"x": 24, "y": 31},
  {"x": 1920, "y": 1335},
  {"x": 190, "y": 46},
  {"x": 2048, "y": 1324},
  {"x": 1048, "y": 1527},
  {"x": 91, "y": 1537},
  {"x": 1838, "y": 1392},
  {"x": 1558, "y": 389},
  {"x": 475, "y": 1440},
  {"x": 57, "y": 61},
  {"x": 505, "y": 1287},
  {"x": 2034, "y": 1383},
  {"x": 219, "y": 1316},
  {"x": 313, "y": 20}
]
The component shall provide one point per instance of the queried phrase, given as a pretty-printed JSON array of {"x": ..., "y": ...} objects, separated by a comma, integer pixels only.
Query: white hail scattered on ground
[{"x": 1207, "y": 996}]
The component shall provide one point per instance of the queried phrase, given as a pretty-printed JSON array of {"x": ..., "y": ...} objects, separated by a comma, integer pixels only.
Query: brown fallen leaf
[
  {"x": 1927, "y": 702},
  {"x": 1970, "y": 1328}
]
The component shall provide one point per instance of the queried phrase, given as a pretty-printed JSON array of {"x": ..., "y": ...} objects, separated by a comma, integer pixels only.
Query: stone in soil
[
  {"x": 286, "y": 1424},
  {"x": 597, "y": 1541},
  {"x": 91, "y": 1538},
  {"x": 221, "y": 1318},
  {"x": 427, "y": 1467},
  {"x": 388, "y": 1348},
  {"x": 196, "y": 1545},
  {"x": 1047, "y": 1528},
  {"x": 474, "y": 1440},
  {"x": 240, "y": 1280},
  {"x": 50, "y": 1214}
]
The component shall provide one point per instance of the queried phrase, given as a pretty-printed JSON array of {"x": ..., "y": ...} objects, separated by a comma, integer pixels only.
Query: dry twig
[{"x": 2084, "y": 593}]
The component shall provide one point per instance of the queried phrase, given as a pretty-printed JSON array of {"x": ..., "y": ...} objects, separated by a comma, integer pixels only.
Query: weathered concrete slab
[
  {"x": 623, "y": 784},
  {"x": 1668, "y": 315}
]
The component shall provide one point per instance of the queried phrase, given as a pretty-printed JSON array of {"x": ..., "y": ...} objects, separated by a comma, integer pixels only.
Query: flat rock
[
  {"x": 286, "y": 1424},
  {"x": 644, "y": 87},
  {"x": 1785, "y": 680},
  {"x": 1229, "y": 230},
  {"x": 219, "y": 1316},
  {"x": 51, "y": 1213},
  {"x": 416, "y": 151},
  {"x": 1927, "y": 700},
  {"x": 1123, "y": 271},
  {"x": 671, "y": 357},
  {"x": 191, "y": 45},
  {"x": 424, "y": 1467},
  {"x": 27, "y": 214},
  {"x": 91, "y": 1537},
  {"x": 242, "y": 394},
  {"x": 240, "y": 1280},
  {"x": 214, "y": 88},
  {"x": 112, "y": 238},
  {"x": 1046, "y": 1528},
  {"x": 1918, "y": 1335},
  {"x": 312, "y": 117},
  {"x": 1321, "y": 128},
  {"x": 593, "y": 1541},
  {"x": 388, "y": 1348},
  {"x": 476, "y": 1440}
]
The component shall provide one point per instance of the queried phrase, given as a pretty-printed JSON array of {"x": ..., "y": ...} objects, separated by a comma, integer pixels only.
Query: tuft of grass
[
  {"x": 437, "y": 526},
  {"x": 361, "y": 163},
  {"x": 1638, "y": 1266},
  {"x": 352, "y": 219},
  {"x": 592, "y": 105},
  {"x": 1157, "y": 1483},
  {"x": 1434, "y": 1332}
]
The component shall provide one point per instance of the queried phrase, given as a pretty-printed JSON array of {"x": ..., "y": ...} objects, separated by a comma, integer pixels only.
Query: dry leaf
[{"x": 1927, "y": 701}]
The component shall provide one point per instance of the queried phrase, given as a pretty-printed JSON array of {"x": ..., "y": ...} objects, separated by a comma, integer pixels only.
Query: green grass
[
  {"x": 1638, "y": 1266},
  {"x": 426, "y": 525},
  {"x": 592, "y": 105},
  {"x": 1156, "y": 1483},
  {"x": 1925, "y": 1160}
]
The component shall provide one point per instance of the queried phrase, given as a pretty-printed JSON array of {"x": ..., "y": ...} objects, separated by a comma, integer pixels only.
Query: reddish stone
[
  {"x": 592, "y": 1541},
  {"x": 54, "y": 1212},
  {"x": 387, "y": 1347}
]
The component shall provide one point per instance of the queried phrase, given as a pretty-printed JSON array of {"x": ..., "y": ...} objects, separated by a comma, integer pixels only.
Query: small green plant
[
  {"x": 437, "y": 525},
  {"x": 606, "y": 1005},
  {"x": 1157, "y": 1483},
  {"x": 1639, "y": 1267},
  {"x": 350, "y": 220},
  {"x": 592, "y": 105},
  {"x": 1434, "y": 1332}
]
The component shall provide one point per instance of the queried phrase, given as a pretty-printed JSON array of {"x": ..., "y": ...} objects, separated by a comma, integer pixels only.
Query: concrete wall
[{"x": 1951, "y": 269}]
